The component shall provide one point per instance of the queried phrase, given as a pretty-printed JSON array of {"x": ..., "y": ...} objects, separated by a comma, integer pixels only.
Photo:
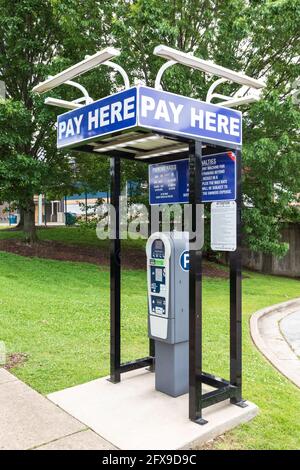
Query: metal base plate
[
  {"x": 200, "y": 421},
  {"x": 241, "y": 404}
]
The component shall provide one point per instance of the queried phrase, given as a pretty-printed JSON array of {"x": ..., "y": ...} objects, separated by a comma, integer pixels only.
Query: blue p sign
[{"x": 185, "y": 260}]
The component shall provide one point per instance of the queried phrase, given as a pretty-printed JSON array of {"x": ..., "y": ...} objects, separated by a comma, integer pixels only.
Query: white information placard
[{"x": 223, "y": 226}]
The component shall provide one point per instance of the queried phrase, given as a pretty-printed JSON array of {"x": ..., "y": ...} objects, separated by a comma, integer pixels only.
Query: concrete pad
[
  {"x": 27, "y": 419},
  {"x": 6, "y": 376},
  {"x": 83, "y": 440},
  {"x": 132, "y": 415}
]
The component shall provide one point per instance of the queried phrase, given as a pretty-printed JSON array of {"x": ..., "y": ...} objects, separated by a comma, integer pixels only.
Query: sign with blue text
[
  {"x": 175, "y": 114},
  {"x": 102, "y": 117},
  {"x": 144, "y": 107},
  {"x": 168, "y": 182},
  {"x": 219, "y": 177}
]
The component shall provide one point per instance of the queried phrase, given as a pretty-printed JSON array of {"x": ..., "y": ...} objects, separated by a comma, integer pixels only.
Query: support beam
[
  {"x": 137, "y": 364},
  {"x": 195, "y": 289},
  {"x": 151, "y": 341},
  {"x": 115, "y": 274},
  {"x": 211, "y": 398},
  {"x": 236, "y": 298}
]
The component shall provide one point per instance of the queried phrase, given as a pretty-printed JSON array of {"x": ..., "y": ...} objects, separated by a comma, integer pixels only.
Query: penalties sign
[{"x": 169, "y": 181}]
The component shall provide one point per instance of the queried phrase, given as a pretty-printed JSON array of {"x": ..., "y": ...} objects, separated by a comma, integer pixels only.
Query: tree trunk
[
  {"x": 29, "y": 222},
  {"x": 20, "y": 225}
]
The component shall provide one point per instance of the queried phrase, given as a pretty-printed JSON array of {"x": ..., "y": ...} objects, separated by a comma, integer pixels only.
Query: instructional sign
[
  {"x": 168, "y": 182},
  {"x": 219, "y": 177},
  {"x": 144, "y": 107},
  {"x": 223, "y": 226}
]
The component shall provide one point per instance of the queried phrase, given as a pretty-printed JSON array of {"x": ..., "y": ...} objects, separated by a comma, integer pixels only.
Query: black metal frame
[
  {"x": 224, "y": 389},
  {"x": 116, "y": 367}
]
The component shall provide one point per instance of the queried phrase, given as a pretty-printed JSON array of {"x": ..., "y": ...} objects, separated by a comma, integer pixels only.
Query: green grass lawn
[
  {"x": 74, "y": 235},
  {"x": 58, "y": 314}
]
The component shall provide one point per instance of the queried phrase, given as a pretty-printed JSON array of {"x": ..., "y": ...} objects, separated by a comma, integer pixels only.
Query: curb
[{"x": 282, "y": 365}]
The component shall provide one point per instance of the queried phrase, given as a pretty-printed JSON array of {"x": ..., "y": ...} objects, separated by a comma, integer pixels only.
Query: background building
[{"x": 53, "y": 211}]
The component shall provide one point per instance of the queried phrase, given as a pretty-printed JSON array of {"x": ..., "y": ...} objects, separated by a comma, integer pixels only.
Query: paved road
[
  {"x": 275, "y": 331},
  {"x": 290, "y": 328}
]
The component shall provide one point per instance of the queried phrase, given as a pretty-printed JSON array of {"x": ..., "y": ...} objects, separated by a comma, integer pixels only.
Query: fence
[{"x": 289, "y": 265}]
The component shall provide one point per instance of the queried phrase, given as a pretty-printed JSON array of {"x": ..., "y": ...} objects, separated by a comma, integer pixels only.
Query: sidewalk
[
  {"x": 30, "y": 421},
  {"x": 275, "y": 331}
]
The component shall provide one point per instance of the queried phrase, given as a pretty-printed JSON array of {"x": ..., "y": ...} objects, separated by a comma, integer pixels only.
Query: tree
[
  {"x": 39, "y": 37},
  {"x": 30, "y": 38},
  {"x": 36, "y": 41},
  {"x": 249, "y": 36}
]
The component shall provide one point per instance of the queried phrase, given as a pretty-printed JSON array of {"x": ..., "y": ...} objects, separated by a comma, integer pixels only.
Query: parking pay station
[
  {"x": 168, "y": 309},
  {"x": 200, "y": 142}
]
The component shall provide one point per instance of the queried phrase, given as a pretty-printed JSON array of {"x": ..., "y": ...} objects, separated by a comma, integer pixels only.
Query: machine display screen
[
  {"x": 158, "y": 245},
  {"x": 158, "y": 249},
  {"x": 158, "y": 279},
  {"x": 158, "y": 275}
]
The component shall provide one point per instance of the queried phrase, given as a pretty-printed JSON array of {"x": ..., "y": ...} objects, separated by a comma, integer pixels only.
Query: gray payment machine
[{"x": 168, "y": 308}]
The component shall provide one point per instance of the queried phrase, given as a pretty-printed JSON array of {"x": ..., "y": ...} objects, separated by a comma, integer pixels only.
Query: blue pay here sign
[
  {"x": 168, "y": 182},
  {"x": 151, "y": 109},
  {"x": 113, "y": 113},
  {"x": 175, "y": 114}
]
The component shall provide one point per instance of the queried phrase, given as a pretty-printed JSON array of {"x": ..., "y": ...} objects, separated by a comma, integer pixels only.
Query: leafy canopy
[{"x": 258, "y": 37}]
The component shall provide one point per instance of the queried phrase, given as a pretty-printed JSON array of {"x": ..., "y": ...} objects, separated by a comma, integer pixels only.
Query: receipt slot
[{"x": 168, "y": 309}]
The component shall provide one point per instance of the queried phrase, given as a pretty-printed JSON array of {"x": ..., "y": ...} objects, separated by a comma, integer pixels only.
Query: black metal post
[
  {"x": 151, "y": 341},
  {"x": 115, "y": 274},
  {"x": 236, "y": 297},
  {"x": 195, "y": 289}
]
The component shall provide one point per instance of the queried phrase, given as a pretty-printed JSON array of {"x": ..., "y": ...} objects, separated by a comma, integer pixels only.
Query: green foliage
[
  {"x": 248, "y": 36},
  {"x": 271, "y": 161},
  {"x": 42, "y": 37},
  {"x": 35, "y": 42},
  {"x": 29, "y": 162},
  {"x": 25, "y": 169}
]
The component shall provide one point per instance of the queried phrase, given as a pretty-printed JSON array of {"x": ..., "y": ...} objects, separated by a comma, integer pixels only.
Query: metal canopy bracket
[
  {"x": 241, "y": 97},
  {"x": 71, "y": 104},
  {"x": 206, "y": 66},
  {"x": 245, "y": 95},
  {"x": 85, "y": 65},
  {"x": 89, "y": 63}
]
